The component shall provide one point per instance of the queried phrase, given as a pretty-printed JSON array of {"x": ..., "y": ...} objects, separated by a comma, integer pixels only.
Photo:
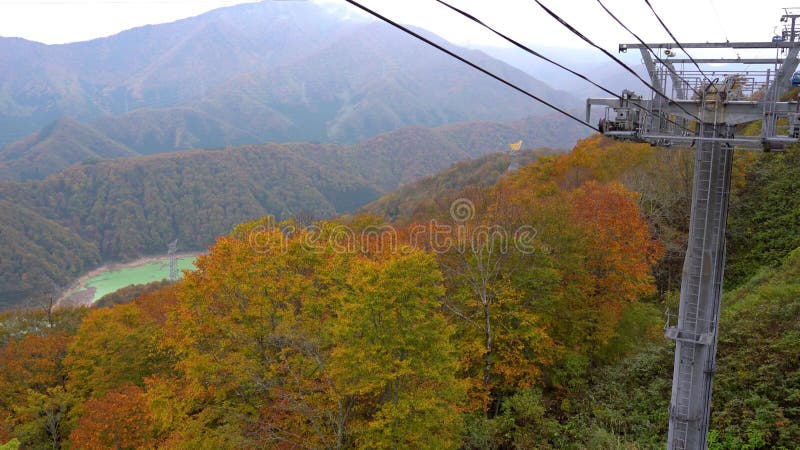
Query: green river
[{"x": 112, "y": 280}]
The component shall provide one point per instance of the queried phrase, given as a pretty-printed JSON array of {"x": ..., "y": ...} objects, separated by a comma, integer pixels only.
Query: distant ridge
[
  {"x": 261, "y": 72},
  {"x": 60, "y": 144},
  {"x": 388, "y": 160}
]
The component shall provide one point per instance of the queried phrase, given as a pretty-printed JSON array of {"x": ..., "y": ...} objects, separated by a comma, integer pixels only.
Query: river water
[{"x": 106, "y": 281}]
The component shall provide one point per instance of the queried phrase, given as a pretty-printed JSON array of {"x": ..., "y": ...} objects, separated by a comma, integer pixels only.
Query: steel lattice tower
[
  {"x": 706, "y": 120},
  {"x": 174, "y": 274}
]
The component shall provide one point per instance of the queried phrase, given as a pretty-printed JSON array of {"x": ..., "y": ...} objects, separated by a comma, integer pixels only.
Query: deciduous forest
[{"x": 452, "y": 331}]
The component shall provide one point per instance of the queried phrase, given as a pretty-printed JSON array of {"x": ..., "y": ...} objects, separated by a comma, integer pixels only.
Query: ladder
[{"x": 701, "y": 288}]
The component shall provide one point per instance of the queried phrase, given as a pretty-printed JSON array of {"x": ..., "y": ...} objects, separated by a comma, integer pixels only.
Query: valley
[
  {"x": 119, "y": 209},
  {"x": 112, "y": 277},
  {"x": 383, "y": 248}
]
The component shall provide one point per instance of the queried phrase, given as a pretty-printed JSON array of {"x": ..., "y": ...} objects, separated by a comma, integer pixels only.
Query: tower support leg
[{"x": 701, "y": 291}]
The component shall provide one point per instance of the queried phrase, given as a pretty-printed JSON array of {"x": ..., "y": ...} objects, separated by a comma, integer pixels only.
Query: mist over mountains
[
  {"x": 264, "y": 72},
  {"x": 588, "y": 62}
]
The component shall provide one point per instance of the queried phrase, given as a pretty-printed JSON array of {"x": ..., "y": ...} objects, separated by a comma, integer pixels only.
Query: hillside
[
  {"x": 130, "y": 207},
  {"x": 363, "y": 346},
  {"x": 61, "y": 144},
  {"x": 375, "y": 80},
  {"x": 764, "y": 224},
  {"x": 37, "y": 256},
  {"x": 169, "y": 129},
  {"x": 436, "y": 149},
  {"x": 661, "y": 176},
  {"x": 410, "y": 152},
  {"x": 273, "y": 71},
  {"x": 124, "y": 208},
  {"x": 316, "y": 331},
  {"x": 756, "y": 395},
  {"x": 134, "y": 206},
  {"x": 420, "y": 198}
]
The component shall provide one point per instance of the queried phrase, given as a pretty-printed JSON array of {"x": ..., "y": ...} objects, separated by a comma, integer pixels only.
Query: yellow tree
[
  {"x": 119, "y": 345},
  {"x": 502, "y": 342},
  {"x": 249, "y": 334},
  {"x": 267, "y": 333},
  {"x": 394, "y": 356},
  {"x": 234, "y": 332}
]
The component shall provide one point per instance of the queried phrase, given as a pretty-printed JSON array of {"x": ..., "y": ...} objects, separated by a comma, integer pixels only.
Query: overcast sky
[{"x": 61, "y": 21}]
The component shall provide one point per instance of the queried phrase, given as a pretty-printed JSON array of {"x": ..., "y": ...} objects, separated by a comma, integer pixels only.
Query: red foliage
[{"x": 119, "y": 419}]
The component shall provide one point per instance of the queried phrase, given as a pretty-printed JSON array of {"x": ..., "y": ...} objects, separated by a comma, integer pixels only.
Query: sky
[{"x": 62, "y": 21}]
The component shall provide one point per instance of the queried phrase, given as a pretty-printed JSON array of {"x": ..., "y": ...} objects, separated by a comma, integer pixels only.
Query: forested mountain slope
[
  {"x": 61, "y": 144},
  {"x": 756, "y": 392},
  {"x": 295, "y": 339},
  {"x": 408, "y": 152},
  {"x": 38, "y": 255},
  {"x": 272, "y": 71},
  {"x": 316, "y": 334},
  {"x": 425, "y": 195},
  {"x": 124, "y": 208},
  {"x": 764, "y": 224},
  {"x": 130, "y": 207}
]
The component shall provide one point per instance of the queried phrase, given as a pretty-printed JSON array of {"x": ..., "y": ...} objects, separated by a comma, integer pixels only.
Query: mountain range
[
  {"x": 114, "y": 147},
  {"x": 247, "y": 74}
]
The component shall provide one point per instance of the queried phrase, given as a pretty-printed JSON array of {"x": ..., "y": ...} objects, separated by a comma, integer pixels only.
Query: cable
[
  {"x": 617, "y": 60},
  {"x": 719, "y": 22},
  {"x": 668, "y": 66},
  {"x": 539, "y": 55},
  {"x": 676, "y": 41},
  {"x": 467, "y": 62},
  {"x": 523, "y": 47}
]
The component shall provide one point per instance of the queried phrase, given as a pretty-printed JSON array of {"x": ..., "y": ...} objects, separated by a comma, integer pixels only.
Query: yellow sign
[{"x": 515, "y": 146}]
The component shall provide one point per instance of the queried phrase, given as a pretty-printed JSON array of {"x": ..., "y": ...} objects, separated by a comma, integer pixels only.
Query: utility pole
[
  {"x": 173, "y": 260},
  {"x": 721, "y": 100}
]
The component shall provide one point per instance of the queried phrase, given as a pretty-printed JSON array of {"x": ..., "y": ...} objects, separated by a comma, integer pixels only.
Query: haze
[{"x": 62, "y": 21}]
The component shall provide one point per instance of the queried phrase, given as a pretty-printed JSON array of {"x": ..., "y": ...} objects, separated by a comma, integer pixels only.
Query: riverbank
[{"x": 79, "y": 294}]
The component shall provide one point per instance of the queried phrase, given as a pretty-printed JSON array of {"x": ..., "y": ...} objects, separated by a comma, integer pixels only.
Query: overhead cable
[
  {"x": 545, "y": 58},
  {"x": 668, "y": 66},
  {"x": 468, "y": 62},
  {"x": 614, "y": 58},
  {"x": 677, "y": 42}
]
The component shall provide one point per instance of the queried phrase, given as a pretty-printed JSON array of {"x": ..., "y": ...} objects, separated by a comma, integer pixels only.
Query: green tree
[{"x": 764, "y": 222}]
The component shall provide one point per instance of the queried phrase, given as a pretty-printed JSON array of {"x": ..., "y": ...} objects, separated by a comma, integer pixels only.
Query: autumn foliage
[
  {"x": 281, "y": 339},
  {"x": 118, "y": 419}
]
